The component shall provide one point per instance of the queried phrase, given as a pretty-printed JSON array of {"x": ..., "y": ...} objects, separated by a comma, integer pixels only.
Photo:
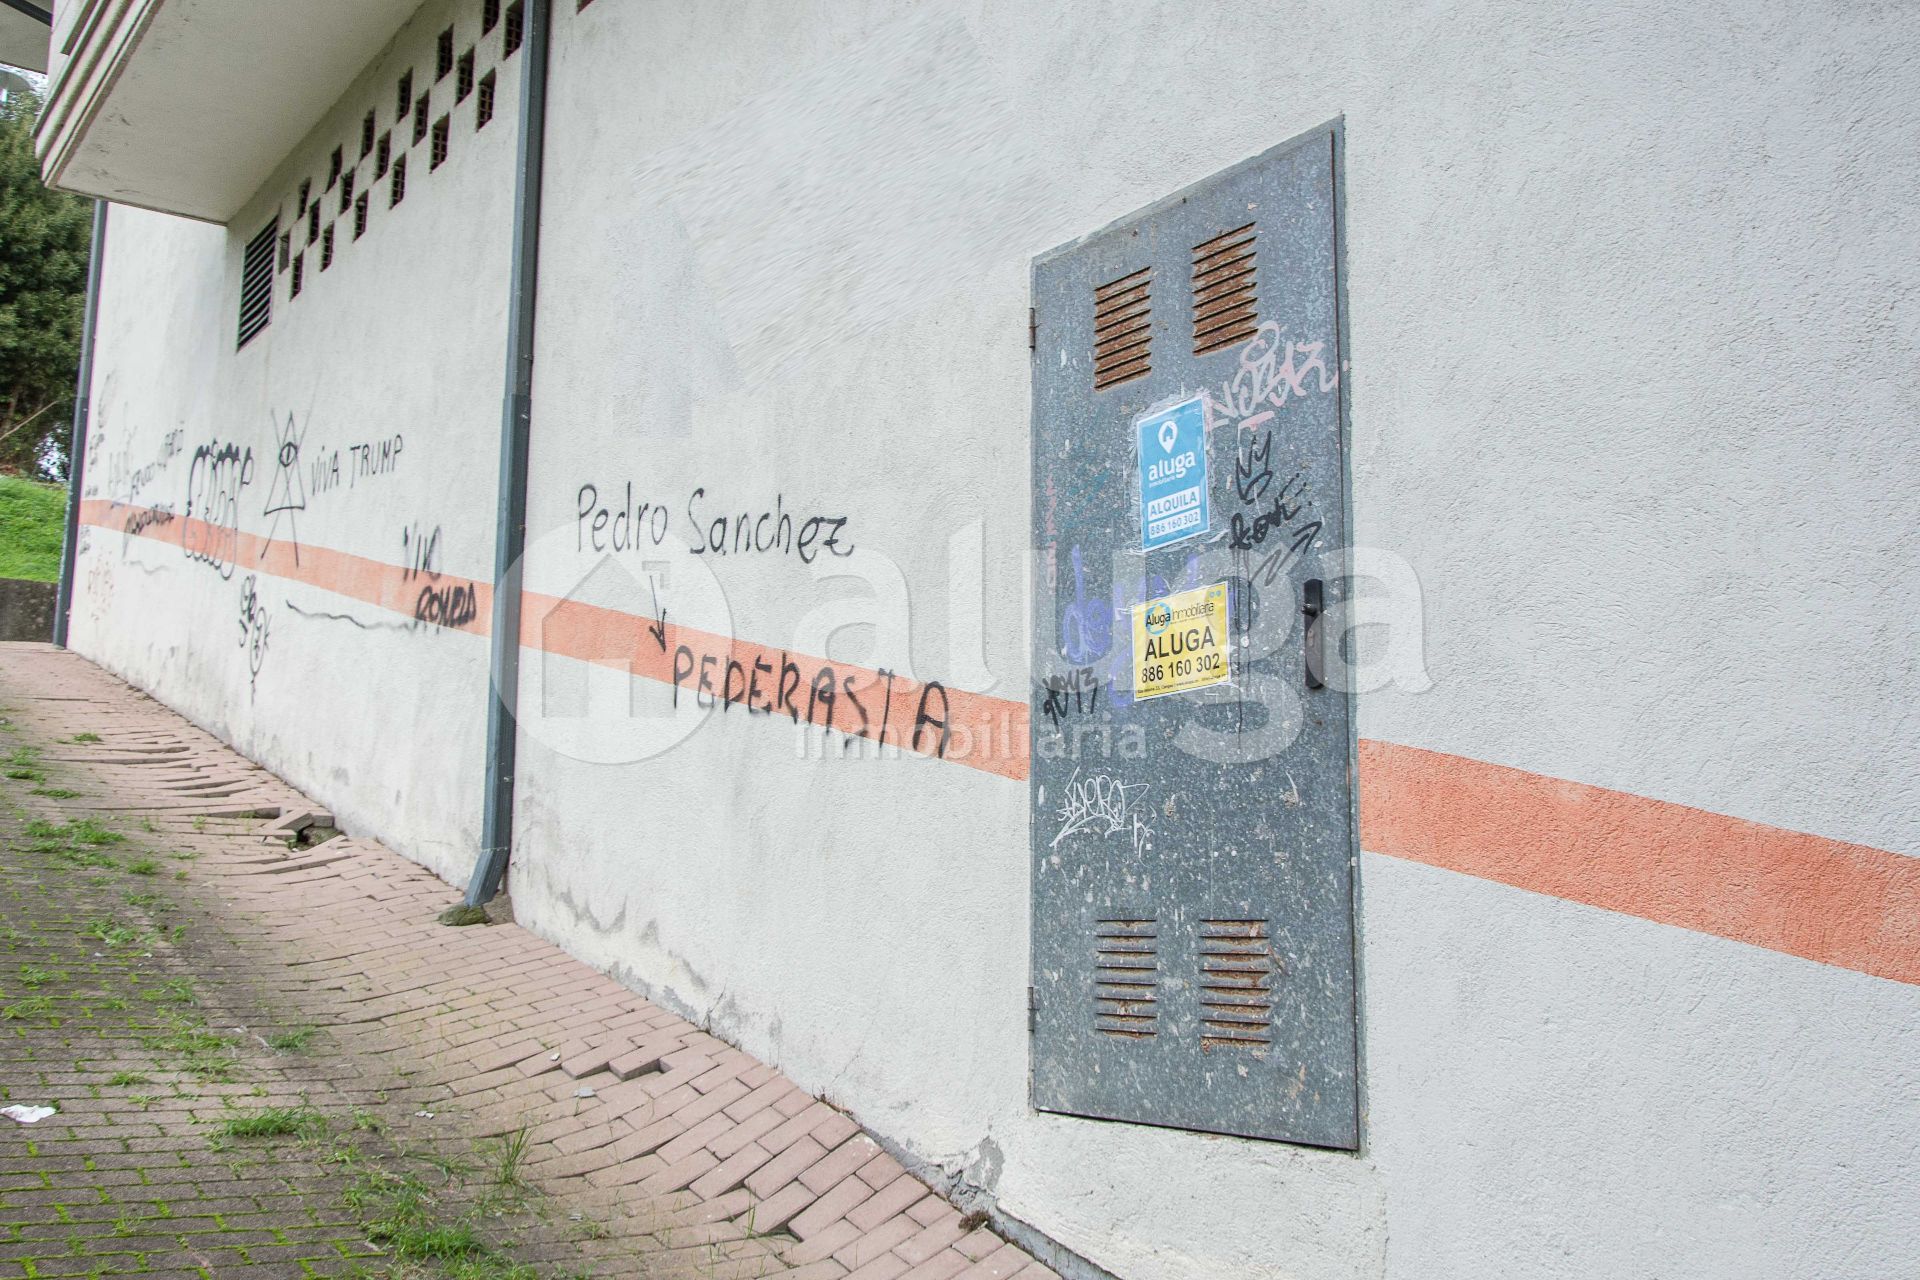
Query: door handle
[{"x": 1314, "y": 655}]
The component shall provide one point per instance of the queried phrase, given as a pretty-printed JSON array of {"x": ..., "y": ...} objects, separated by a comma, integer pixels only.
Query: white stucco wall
[
  {"x": 1626, "y": 294},
  {"x": 1633, "y": 303},
  {"x": 402, "y": 337}
]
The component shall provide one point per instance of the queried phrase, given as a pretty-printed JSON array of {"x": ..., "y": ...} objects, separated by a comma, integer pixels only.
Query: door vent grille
[
  {"x": 1126, "y": 978},
  {"x": 1225, "y": 305},
  {"x": 1236, "y": 1000},
  {"x": 1123, "y": 329}
]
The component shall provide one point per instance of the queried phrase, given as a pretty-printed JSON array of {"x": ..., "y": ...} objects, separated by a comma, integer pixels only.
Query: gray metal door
[{"x": 1193, "y": 851}]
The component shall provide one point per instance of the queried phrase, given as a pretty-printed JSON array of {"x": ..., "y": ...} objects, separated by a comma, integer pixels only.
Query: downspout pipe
[
  {"x": 77, "y": 447},
  {"x": 510, "y": 525}
]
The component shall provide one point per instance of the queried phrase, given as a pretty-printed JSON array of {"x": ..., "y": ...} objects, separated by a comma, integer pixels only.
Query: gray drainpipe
[
  {"x": 77, "y": 448},
  {"x": 496, "y": 823}
]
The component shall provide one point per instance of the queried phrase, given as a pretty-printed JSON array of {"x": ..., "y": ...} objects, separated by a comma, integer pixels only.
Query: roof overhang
[
  {"x": 188, "y": 106},
  {"x": 25, "y": 33}
]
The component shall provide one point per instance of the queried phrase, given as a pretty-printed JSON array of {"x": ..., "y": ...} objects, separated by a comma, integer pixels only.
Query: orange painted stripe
[
  {"x": 1804, "y": 895},
  {"x": 390, "y": 586},
  {"x": 973, "y": 729},
  {"x": 1841, "y": 904},
  {"x": 985, "y": 733}
]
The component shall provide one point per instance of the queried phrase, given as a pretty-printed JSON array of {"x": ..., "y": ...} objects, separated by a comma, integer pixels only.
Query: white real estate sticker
[{"x": 1180, "y": 642}]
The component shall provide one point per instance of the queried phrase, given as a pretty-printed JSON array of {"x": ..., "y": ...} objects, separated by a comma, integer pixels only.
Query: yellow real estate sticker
[{"x": 1180, "y": 642}]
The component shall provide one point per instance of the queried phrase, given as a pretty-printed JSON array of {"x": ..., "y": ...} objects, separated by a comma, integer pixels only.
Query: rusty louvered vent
[
  {"x": 1126, "y": 978},
  {"x": 1225, "y": 304},
  {"x": 1236, "y": 1000},
  {"x": 1122, "y": 329}
]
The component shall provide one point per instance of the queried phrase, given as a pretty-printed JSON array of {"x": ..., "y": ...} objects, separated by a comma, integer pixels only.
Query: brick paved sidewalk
[{"x": 326, "y": 998}]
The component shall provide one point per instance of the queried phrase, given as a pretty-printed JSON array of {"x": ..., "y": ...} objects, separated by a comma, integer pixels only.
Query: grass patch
[
  {"x": 201, "y": 1052},
  {"x": 56, "y": 793},
  {"x": 292, "y": 1040},
  {"x": 171, "y": 991},
  {"x": 111, "y": 932},
  {"x": 31, "y": 1007},
  {"x": 506, "y": 1155},
  {"x": 23, "y": 765},
  {"x": 33, "y": 520},
  {"x": 402, "y": 1215},
  {"x": 127, "y": 1079},
  {"x": 275, "y": 1122},
  {"x": 143, "y": 867},
  {"x": 32, "y": 975},
  {"x": 81, "y": 833}
]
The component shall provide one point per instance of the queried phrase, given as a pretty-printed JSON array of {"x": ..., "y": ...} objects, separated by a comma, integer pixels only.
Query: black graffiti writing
[
  {"x": 1075, "y": 693},
  {"x": 1252, "y": 467},
  {"x": 834, "y": 698},
  {"x": 1287, "y": 504},
  {"x": 622, "y": 530},
  {"x": 658, "y": 627},
  {"x": 450, "y": 606},
  {"x": 141, "y": 519},
  {"x": 380, "y": 458},
  {"x": 253, "y": 627},
  {"x": 770, "y": 531},
  {"x": 215, "y": 479},
  {"x": 421, "y": 550},
  {"x": 285, "y": 494}
]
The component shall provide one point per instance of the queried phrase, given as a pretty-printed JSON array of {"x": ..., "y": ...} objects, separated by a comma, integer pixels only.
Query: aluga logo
[{"x": 1174, "y": 468}]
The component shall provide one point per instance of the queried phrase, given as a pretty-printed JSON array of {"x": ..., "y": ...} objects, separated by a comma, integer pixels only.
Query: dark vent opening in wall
[
  {"x": 256, "y": 282},
  {"x": 313, "y": 222},
  {"x": 516, "y": 27},
  {"x": 286, "y": 250},
  {"x": 1225, "y": 299},
  {"x": 346, "y": 190},
  {"x": 299, "y": 274},
  {"x": 1236, "y": 995},
  {"x": 333, "y": 168},
  {"x": 1123, "y": 329},
  {"x": 489, "y": 16},
  {"x": 1126, "y": 978},
  {"x": 399, "y": 182},
  {"x": 383, "y": 156},
  {"x": 403, "y": 97},
  {"x": 422, "y": 117},
  {"x": 484, "y": 112},
  {"x": 442, "y": 135},
  {"x": 443, "y": 55},
  {"x": 326, "y": 248},
  {"x": 306, "y": 194},
  {"x": 360, "y": 216},
  {"x": 368, "y": 127},
  {"x": 464, "y": 85}
]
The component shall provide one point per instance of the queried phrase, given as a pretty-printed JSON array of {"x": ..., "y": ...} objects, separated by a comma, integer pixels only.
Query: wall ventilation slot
[
  {"x": 256, "y": 282},
  {"x": 1126, "y": 978},
  {"x": 1225, "y": 304},
  {"x": 1123, "y": 329},
  {"x": 516, "y": 27},
  {"x": 484, "y": 111}
]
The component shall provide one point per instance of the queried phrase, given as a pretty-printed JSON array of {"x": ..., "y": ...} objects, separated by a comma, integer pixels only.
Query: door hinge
[
  {"x": 1033, "y": 1008},
  {"x": 1033, "y": 329}
]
